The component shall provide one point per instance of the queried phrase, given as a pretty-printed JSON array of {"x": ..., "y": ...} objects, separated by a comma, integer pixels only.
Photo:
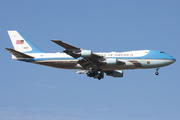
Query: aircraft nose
[{"x": 172, "y": 59}]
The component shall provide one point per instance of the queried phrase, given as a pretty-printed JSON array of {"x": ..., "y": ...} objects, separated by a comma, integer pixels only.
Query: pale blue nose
[
  {"x": 173, "y": 59},
  {"x": 170, "y": 60}
]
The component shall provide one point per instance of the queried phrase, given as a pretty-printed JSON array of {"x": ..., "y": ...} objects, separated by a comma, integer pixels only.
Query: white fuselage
[{"x": 132, "y": 59}]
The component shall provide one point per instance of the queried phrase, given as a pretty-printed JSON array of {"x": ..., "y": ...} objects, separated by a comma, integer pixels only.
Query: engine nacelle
[
  {"x": 111, "y": 61},
  {"x": 116, "y": 73},
  {"x": 86, "y": 53}
]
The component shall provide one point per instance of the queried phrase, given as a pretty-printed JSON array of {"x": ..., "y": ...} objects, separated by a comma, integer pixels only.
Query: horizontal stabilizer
[{"x": 18, "y": 54}]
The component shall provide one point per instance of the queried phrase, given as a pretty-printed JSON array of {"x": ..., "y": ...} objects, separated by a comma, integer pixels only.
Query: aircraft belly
[
  {"x": 61, "y": 64},
  {"x": 127, "y": 65},
  {"x": 75, "y": 65},
  {"x": 154, "y": 63}
]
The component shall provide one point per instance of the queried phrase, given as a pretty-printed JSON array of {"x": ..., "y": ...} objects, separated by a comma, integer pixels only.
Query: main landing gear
[
  {"x": 96, "y": 74},
  {"x": 157, "y": 73}
]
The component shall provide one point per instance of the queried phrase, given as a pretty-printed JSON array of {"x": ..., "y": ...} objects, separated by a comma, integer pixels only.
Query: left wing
[{"x": 90, "y": 59}]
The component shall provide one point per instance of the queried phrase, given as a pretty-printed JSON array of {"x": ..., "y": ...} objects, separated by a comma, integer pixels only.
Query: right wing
[
  {"x": 93, "y": 60},
  {"x": 90, "y": 59},
  {"x": 74, "y": 51},
  {"x": 70, "y": 50}
]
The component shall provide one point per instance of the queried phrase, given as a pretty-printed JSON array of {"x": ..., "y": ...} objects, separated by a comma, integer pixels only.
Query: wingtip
[{"x": 56, "y": 40}]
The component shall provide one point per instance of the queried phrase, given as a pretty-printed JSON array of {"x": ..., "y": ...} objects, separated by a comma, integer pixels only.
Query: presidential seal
[{"x": 148, "y": 62}]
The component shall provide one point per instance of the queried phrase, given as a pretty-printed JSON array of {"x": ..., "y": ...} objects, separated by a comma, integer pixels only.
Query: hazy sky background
[{"x": 35, "y": 92}]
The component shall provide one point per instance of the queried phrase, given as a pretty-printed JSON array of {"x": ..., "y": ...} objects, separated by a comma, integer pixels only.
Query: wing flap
[
  {"x": 82, "y": 71},
  {"x": 72, "y": 53}
]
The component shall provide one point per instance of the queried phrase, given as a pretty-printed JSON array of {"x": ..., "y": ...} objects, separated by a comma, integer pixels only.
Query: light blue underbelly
[{"x": 154, "y": 63}]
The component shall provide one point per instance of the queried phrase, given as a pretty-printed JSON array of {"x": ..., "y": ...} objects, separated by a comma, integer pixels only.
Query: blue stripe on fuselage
[{"x": 153, "y": 54}]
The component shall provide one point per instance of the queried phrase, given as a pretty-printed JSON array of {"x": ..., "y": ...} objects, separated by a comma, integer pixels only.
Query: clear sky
[{"x": 35, "y": 92}]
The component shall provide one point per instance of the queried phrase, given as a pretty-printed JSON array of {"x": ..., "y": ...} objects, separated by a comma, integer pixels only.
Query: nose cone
[
  {"x": 173, "y": 59},
  {"x": 169, "y": 60}
]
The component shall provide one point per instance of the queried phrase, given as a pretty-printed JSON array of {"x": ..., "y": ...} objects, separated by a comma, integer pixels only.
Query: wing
[
  {"x": 89, "y": 60},
  {"x": 70, "y": 50}
]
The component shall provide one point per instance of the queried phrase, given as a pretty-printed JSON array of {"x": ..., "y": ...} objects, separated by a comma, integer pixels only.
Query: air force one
[{"x": 85, "y": 61}]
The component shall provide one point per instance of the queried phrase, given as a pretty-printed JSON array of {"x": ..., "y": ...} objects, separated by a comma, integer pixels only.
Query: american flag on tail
[{"x": 19, "y": 41}]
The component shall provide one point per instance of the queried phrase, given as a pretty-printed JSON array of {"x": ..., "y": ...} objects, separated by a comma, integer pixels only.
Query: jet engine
[
  {"x": 115, "y": 73},
  {"x": 86, "y": 53},
  {"x": 111, "y": 61}
]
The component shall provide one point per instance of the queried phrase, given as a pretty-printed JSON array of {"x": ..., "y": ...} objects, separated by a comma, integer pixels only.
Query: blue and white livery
[{"x": 92, "y": 64}]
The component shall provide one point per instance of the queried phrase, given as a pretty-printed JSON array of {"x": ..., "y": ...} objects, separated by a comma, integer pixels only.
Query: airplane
[{"x": 85, "y": 61}]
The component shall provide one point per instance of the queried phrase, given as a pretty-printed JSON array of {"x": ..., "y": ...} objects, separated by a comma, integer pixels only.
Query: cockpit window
[{"x": 161, "y": 52}]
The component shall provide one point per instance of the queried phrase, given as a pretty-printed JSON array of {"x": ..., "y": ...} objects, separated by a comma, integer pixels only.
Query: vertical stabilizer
[{"x": 21, "y": 44}]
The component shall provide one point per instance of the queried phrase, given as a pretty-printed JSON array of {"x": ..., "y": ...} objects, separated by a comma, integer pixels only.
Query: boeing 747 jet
[{"x": 86, "y": 61}]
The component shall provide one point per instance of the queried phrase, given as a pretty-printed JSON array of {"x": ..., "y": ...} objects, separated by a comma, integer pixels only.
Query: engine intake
[
  {"x": 115, "y": 73},
  {"x": 111, "y": 61},
  {"x": 86, "y": 53}
]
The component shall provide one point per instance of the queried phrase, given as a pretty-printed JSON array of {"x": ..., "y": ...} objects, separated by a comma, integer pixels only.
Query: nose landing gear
[{"x": 157, "y": 73}]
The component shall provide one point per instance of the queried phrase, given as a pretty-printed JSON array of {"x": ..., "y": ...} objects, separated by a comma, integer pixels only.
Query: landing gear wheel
[
  {"x": 156, "y": 73},
  {"x": 101, "y": 76},
  {"x": 96, "y": 73}
]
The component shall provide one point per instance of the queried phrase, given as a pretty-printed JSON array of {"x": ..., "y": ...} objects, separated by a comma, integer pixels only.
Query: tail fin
[{"x": 21, "y": 44}]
